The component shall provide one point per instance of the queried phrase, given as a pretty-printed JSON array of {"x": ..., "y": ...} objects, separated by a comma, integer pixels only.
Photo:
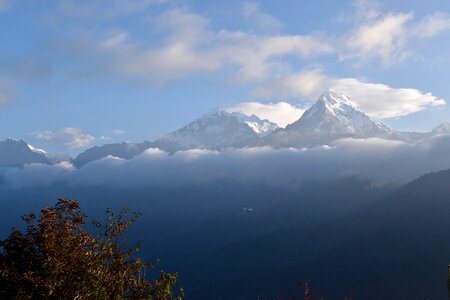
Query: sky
[{"x": 74, "y": 74}]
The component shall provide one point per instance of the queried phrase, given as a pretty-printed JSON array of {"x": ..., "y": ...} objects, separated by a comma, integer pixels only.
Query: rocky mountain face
[{"x": 16, "y": 153}]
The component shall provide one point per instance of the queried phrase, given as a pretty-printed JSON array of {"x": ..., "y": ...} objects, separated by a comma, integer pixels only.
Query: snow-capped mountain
[
  {"x": 219, "y": 130},
  {"x": 16, "y": 153},
  {"x": 335, "y": 114},
  {"x": 215, "y": 130},
  {"x": 259, "y": 126},
  {"x": 36, "y": 150},
  {"x": 52, "y": 157},
  {"x": 441, "y": 129},
  {"x": 332, "y": 117}
]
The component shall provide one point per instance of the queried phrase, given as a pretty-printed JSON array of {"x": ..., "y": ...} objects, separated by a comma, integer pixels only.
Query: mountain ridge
[
  {"x": 334, "y": 116},
  {"x": 16, "y": 153}
]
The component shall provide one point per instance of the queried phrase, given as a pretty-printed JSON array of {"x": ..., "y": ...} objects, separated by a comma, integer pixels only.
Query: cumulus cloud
[
  {"x": 382, "y": 38},
  {"x": 387, "y": 37},
  {"x": 281, "y": 113},
  {"x": 382, "y": 161},
  {"x": 377, "y": 100},
  {"x": 68, "y": 137},
  {"x": 189, "y": 46},
  {"x": 258, "y": 58}
]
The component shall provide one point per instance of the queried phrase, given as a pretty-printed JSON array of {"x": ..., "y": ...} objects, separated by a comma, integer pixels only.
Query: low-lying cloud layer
[{"x": 382, "y": 161}]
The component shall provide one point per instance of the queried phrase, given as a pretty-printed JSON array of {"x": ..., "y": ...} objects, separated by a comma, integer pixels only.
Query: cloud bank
[{"x": 382, "y": 161}]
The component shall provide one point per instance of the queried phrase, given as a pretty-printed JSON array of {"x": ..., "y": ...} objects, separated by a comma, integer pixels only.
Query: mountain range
[
  {"x": 396, "y": 247},
  {"x": 334, "y": 116}
]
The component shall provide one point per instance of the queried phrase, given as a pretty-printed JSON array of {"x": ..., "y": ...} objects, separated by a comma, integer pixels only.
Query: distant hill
[
  {"x": 122, "y": 150},
  {"x": 397, "y": 248}
]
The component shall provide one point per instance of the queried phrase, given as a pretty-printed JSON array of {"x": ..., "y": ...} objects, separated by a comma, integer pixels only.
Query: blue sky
[{"x": 78, "y": 73}]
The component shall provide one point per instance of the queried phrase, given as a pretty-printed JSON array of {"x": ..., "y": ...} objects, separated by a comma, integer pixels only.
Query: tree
[{"x": 56, "y": 258}]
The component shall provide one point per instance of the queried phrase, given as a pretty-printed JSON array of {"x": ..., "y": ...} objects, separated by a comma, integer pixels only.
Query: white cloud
[
  {"x": 389, "y": 37},
  {"x": 281, "y": 113},
  {"x": 382, "y": 101},
  {"x": 377, "y": 100},
  {"x": 383, "y": 38},
  {"x": 382, "y": 161},
  {"x": 68, "y": 137},
  {"x": 259, "y": 57},
  {"x": 191, "y": 47},
  {"x": 365, "y": 10},
  {"x": 432, "y": 25},
  {"x": 309, "y": 83},
  {"x": 262, "y": 20}
]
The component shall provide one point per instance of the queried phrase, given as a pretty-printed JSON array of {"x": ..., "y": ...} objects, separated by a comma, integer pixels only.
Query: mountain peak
[
  {"x": 443, "y": 128},
  {"x": 332, "y": 117},
  {"x": 11, "y": 140},
  {"x": 334, "y": 109},
  {"x": 16, "y": 153},
  {"x": 335, "y": 113},
  {"x": 220, "y": 129},
  {"x": 215, "y": 117},
  {"x": 334, "y": 97}
]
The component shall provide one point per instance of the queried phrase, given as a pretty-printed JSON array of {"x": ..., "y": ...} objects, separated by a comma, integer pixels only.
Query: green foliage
[{"x": 55, "y": 258}]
